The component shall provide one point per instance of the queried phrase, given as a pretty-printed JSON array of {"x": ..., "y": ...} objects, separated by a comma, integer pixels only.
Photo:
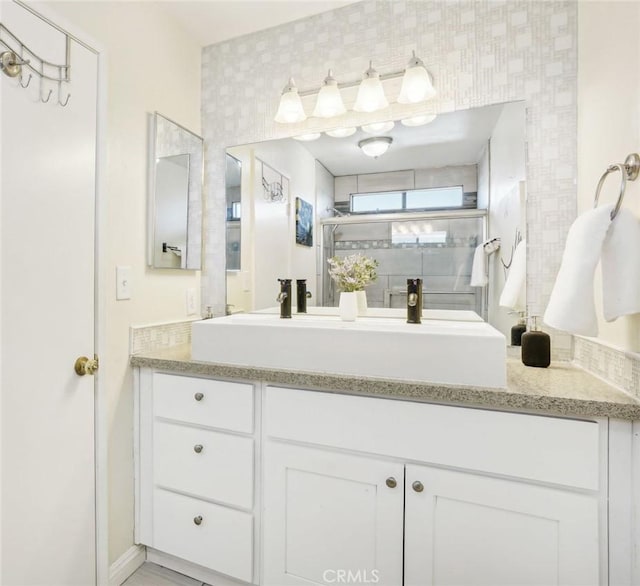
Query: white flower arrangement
[{"x": 353, "y": 272}]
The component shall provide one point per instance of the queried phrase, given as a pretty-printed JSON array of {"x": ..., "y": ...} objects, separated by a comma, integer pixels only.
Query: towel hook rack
[{"x": 629, "y": 171}]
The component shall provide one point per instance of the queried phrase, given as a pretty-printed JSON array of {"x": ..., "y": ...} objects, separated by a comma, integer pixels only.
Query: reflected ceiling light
[
  {"x": 307, "y": 137},
  {"x": 416, "y": 83},
  {"x": 378, "y": 127},
  {"x": 375, "y": 146},
  {"x": 290, "y": 109},
  {"x": 329, "y": 101},
  {"x": 419, "y": 120},
  {"x": 370, "y": 92},
  {"x": 341, "y": 132}
]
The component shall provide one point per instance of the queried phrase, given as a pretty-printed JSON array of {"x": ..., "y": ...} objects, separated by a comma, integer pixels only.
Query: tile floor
[{"x": 153, "y": 575}]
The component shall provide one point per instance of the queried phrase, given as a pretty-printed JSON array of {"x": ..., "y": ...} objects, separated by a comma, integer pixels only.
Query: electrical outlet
[
  {"x": 191, "y": 301},
  {"x": 123, "y": 283}
]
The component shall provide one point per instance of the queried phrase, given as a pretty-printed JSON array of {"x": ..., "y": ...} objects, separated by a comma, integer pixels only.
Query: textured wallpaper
[{"x": 479, "y": 52}]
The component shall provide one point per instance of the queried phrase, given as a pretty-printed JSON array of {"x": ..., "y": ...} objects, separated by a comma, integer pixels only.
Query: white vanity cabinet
[
  {"x": 243, "y": 482},
  {"x": 196, "y": 470},
  {"x": 500, "y": 498}
]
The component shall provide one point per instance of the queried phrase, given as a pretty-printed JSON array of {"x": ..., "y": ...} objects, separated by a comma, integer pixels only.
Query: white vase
[
  {"x": 348, "y": 306},
  {"x": 361, "y": 296}
]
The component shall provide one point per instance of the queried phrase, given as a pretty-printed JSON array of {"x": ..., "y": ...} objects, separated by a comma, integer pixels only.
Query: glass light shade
[
  {"x": 308, "y": 137},
  {"x": 416, "y": 83},
  {"x": 329, "y": 103},
  {"x": 376, "y": 146},
  {"x": 419, "y": 120},
  {"x": 378, "y": 127},
  {"x": 370, "y": 93},
  {"x": 290, "y": 109},
  {"x": 341, "y": 132}
]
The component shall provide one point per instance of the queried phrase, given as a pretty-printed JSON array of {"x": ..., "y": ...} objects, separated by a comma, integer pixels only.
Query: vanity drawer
[
  {"x": 204, "y": 463},
  {"x": 532, "y": 447},
  {"x": 203, "y": 401},
  {"x": 223, "y": 541}
]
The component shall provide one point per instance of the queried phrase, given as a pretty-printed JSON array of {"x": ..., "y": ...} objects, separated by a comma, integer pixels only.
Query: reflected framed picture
[{"x": 304, "y": 222}]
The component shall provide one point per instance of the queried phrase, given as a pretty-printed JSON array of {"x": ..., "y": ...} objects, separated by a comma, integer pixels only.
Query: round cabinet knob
[
  {"x": 417, "y": 486},
  {"x": 198, "y": 396},
  {"x": 391, "y": 482},
  {"x": 198, "y": 520},
  {"x": 197, "y": 448}
]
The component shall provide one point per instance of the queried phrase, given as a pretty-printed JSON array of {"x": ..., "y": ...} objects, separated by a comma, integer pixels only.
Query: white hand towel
[
  {"x": 514, "y": 291},
  {"x": 571, "y": 305},
  {"x": 479, "y": 268},
  {"x": 621, "y": 266}
]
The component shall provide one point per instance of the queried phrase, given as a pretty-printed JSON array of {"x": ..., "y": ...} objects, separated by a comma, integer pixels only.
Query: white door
[
  {"x": 47, "y": 218},
  {"x": 331, "y": 518},
  {"x": 468, "y": 530}
]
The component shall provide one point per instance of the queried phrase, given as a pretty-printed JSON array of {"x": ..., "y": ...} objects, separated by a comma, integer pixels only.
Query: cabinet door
[
  {"x": 331, "y": 517},
  {"x": 463, "y": 529}
]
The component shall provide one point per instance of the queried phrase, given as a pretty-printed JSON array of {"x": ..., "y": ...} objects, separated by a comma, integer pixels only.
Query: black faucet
[
  {"x": 284, "y": 298},
  {"x": 302, "y": 295},
  {"x": 414, "y": 301}
]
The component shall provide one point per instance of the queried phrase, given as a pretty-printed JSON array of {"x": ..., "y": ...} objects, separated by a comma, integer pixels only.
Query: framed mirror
[
  {"x": 175, "y": 196},
  {"x": 421, "y": 209}
]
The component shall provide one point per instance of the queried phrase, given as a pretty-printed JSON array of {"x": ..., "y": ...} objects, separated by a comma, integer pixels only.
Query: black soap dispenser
[
  {"x": 536, "y": 347},
  {"x": 519, "y": 329}
]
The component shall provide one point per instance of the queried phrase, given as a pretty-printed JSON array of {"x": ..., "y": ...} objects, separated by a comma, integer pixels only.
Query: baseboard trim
[{"x": 127, "y": 564}]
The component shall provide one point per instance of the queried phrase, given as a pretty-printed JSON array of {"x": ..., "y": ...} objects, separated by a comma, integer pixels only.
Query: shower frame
[{"x": 324, "y": 281}]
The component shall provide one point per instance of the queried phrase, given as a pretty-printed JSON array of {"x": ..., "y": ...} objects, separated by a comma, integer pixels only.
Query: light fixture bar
[{"x": 348, "y": 84}]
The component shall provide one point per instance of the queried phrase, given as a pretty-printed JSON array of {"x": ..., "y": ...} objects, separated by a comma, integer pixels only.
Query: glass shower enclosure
[{"x": 437, "y": 247}]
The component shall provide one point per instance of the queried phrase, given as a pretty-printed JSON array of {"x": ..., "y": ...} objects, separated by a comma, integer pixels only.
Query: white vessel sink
[{"x": 439, "y": 351}]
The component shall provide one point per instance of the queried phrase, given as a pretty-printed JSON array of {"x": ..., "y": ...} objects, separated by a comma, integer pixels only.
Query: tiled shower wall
[{"x": 479, "y": 52}]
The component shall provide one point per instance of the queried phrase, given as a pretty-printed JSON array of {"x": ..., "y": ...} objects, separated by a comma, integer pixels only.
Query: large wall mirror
[
  {"x": 175, "y": 196},
  {"x": 420, "y": 209}
]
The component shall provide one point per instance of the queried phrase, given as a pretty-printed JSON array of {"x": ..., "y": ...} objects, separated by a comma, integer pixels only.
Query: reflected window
[
  {"x": 430, "y": 199},
  {"x": 377, "y": 202}
]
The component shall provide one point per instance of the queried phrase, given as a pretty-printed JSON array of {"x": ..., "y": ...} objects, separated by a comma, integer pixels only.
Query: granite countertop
[{"x": 561, "y": 389}]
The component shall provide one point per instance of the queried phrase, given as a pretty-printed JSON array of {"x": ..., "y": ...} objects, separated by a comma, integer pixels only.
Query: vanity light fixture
[
  {"x": 307, "y": 137},
  {"x": 375, "y": 146},
  {"x": 290, "y": 109},
  {"x": 329, "y": 102},
  {"x": 418, "y": 120},
  {"x": 416, "y": 83},
  {"x": 417, "y": 86},
  {"x": 371, "y": 96},
  {"x": 378, "y": 127},
  {"x": 341, "y": 132}
]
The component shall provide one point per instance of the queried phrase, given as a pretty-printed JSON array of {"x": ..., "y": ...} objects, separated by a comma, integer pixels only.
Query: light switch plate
[
  {"x": 123, "y": 283},
  {"x": 191, "y": 301}
]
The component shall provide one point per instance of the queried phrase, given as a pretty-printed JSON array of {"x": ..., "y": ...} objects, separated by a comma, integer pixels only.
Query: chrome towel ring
[{"x": 629, "y": 170}]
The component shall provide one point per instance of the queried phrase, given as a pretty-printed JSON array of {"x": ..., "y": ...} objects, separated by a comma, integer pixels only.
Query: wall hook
[
  {"x": 43, "y": 100},
  {"x": 25, "y": 85},
  {"x": 66, "y": 101}
]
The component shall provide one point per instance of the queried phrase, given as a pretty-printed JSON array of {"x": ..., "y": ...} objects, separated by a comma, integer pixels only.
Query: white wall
[
  {"x": 269, "y": 250},
  {"x": 152, "y": 65},
  {"x": 506, "y": 207},
  {"x": 609, "y": 122}
]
